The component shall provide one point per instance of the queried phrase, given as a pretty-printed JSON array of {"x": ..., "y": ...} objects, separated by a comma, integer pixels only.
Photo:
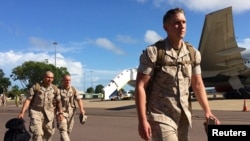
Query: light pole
[
  {"x": 84, "y": 82},
  {"x": 92, "y": 79},
  {"x": 55, "y": 43}
]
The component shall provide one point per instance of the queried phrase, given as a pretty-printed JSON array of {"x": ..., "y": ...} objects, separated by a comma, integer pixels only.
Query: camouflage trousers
[
  {"x": 41, "y": 128},
  {"x": 164, "y": 132},
  {"x": 65, "y": 127}
]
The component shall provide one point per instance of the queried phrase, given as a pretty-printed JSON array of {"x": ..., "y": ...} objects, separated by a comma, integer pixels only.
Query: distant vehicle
[
  {"x": 122, "y": 96},
  {"x": 126, "y": 96}
]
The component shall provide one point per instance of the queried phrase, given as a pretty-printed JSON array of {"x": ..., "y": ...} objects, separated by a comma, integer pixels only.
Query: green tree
[
  {"x": 31, "y": 72},
  {"x": 122, "y": 90},
  {"x": 90, "y": 90},
  {"x": 4, "y": 82},
  {"x": 14, "y": 92},
  {"x": 98, "y": 88}
]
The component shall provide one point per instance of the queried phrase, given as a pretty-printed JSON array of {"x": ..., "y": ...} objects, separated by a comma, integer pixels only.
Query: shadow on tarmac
[
  {"x": 122, "y": 108},
  {"x": 120, "y": 123}
]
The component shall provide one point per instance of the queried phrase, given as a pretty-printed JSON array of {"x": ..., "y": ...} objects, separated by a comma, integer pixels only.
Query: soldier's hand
[
  {"x": 82, "y": 118},
  {"x": 60, "y": 117},
  {"x": 54, "y": 102},
  {"x": 21, "y": 115}
]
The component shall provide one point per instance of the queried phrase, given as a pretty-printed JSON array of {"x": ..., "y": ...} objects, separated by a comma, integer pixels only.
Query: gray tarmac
[{"x": 117, "y": 120}]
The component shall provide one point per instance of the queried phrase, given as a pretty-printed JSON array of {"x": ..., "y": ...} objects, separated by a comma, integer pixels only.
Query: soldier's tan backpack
[
  {"x": 161, "y": 52},
  {"x": 72, "y": 100},
  {"x": 160, "y": 45},
  {"x": 37, "y": 87}
]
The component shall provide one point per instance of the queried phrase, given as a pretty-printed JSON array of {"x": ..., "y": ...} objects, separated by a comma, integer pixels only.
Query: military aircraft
[{"x": 223, "y": 66}]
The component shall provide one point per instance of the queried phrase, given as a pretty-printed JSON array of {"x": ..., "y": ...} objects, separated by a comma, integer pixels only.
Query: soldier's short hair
[{"x": 168, "y": 15}]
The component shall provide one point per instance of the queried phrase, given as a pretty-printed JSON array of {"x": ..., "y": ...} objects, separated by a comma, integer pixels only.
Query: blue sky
[{"x": 97, "y": 39}]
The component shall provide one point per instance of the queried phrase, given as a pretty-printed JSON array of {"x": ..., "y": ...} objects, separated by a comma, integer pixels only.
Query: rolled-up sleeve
[
  {"x": 77, "y": 95},
  {"x": 147, "y": 61},
  {"x": 58, "y": 96},
  {"x": 31, "y": 93},
  {"x": 197, "y": 68}
]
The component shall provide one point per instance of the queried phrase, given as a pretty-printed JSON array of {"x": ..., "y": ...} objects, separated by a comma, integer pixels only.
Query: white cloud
[
  {"x": 205, "y": 5},
  {"x": 107, "y": 44},
  {"x": 75, "y": 68},
  {"x": 245, "y": 44},
  {"x": 213, "y": 5},
  {"x": 151, "y": 37},
  {"x": 126, "y": 39},
  {"x": 45, "y": 50},
  {"x": 39, "y": 44},
  {"x": 11, "y": 59},
  {"x": 160, "y": 3}
]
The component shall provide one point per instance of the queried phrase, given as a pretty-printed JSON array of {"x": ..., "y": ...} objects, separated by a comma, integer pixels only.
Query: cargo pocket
[
  {"x": 62, "y": 125},
  {"x": 36, "y": 126}
]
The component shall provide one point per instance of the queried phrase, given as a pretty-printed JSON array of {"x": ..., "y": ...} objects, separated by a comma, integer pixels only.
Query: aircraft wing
[{"x": 221, "y": 56}]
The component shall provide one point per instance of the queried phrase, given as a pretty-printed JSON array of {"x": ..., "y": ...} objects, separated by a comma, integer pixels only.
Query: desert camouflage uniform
[
  {"x": 168, "y": 108},
  {"x": 3, "y": 100},
  {"x": 42, "y": 112},
  {"x": 68, "y": 98},
  {"x": 17, "y": 100}
]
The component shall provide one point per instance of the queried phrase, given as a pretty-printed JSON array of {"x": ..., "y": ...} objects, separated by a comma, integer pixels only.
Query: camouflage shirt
[
  {"x": 42, "y": 100},
  {"x": 68, "y": 98},
  {"x": 170, "y": 85}
]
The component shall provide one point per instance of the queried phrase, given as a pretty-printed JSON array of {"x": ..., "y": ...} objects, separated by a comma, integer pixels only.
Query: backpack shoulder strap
[
  {"x": 160, "y": 45},
  {"x": 191, "y": 50},
  {"x": 74, "y": 89},
  {"x": 192, "y": 53},
  {"x": 55, "y": 87},
  {"x": 160, "y": 61},
  {"x": 37, "y": 87},
  {"x": 73, "y": 98}
]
